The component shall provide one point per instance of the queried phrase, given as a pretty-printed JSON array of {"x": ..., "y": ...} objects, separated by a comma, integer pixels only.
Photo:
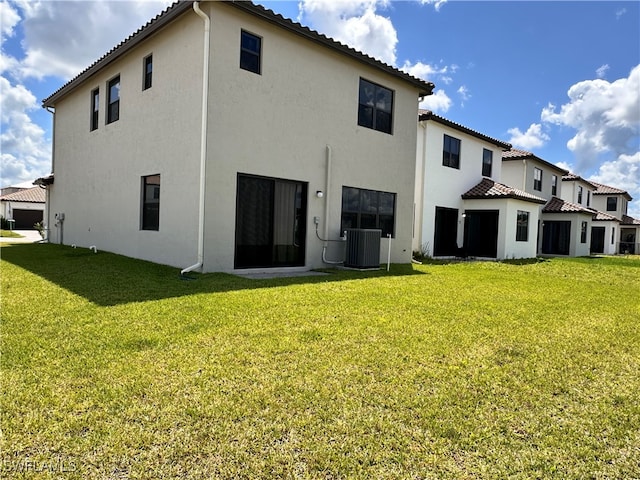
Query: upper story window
[
  {"x": 487, "y": 162},
  {"x": 147, "y": 72},
  {"x": 588, "y": 198},
  {"x": 554, "y": 185},
  {"x": 368, "y": 209},
  {"x": 95, "y": 108},
  {"x": 150, "y": 211},
  {"x": 250, "y": 52},
  {"x": 537, "y": 179},
  {"x": 113, "y": 100},
  {"x": 579, "y": 194},
  {"x": 612, "y": 204},
  {"x": 451, "y": 152},
  {"x": 375, "y": 107}
]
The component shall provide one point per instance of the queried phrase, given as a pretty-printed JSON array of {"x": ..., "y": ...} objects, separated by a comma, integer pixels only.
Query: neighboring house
[
  {"x": 565, "y": 225},
  {"x": 462, "y": 209},
  {"x": 301, "y": 138},
  {"x": 25, "y": 206},
  {"x": 613, "y": 202}
]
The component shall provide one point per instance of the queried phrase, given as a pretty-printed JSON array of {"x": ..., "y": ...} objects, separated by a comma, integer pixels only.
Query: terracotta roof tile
[
  {"x": 572, "y": 177},
  {"x": 489, "y": 189},
  {"x": 517, "y": 154},
  {"x": 557, "y": 205},
  {"x": 29, "y": 195},
  {"x": 602, "y": 189},
  {"x": 604, "y": 217}
]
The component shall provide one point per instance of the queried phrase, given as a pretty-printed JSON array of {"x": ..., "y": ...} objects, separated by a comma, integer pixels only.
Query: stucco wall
[{"x": 519, "y": 174}]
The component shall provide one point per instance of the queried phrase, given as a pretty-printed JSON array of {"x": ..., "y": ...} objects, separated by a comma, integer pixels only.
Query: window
[
  {"x": 451, "y": 152},
  {"x": 113, "y": 102},
  {"x": 368, "y": 209},
  {"x": 147, "y": 72},
  {"x": 537, "y": 179},
  {"x": 487, "y": 162},
  {"x": 583, "y": 233},
  {"x": 612, "y": 204},
  {"x": 588, "y": 198},
  {"x": 250, "y": 51},
  {"x": 375, "y": 107},
  {"x": 150, "y": 203},
  {"x": 613, "y": 235},
  {"x": 554, "y": 185},
  {"x": 579, "y": 194},
  {"x": 95, "y": 108},
  {"x": 522, "y": 226}
]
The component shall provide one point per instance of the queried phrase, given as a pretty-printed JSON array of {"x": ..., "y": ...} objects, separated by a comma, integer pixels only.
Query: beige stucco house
[{"x": 223, "y": 137}]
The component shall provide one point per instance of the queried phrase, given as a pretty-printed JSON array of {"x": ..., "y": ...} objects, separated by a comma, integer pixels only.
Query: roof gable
[
  {"x": 426, "y": 115},
  {"x": 179, "y": 8}
]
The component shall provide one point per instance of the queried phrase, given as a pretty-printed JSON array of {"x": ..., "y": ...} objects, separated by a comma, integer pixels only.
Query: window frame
[
  {"x": 150, "y": 207},
  {"x": 554, "y": 185},
  {"x": 366, "y": 211},
  {"x": 250, "y": 59},
  {"x": 487, "y": 166},
  {"x": 370, "y": 114},
  {"x": 95, "y": 109},
  {"x": 113, "y": 106},
  {"x": 580, "y": 191},
  {"x": 583, "y": 232},
  {"x": 147, "y": 72},
  {"x": 537, "y": 179},
  {"x": 612, "y": 204},
  {"x": 451, "y": 158},
  {"x": 522, "y": 226}
]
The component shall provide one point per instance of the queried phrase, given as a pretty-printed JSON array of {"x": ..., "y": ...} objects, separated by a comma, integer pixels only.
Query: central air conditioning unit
[{"x": 363, "y": 248}]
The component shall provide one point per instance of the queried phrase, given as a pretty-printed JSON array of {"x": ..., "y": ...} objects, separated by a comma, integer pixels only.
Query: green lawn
[
  {"x": 115, "y": 368},
  {"x": 9, "y": 234}
]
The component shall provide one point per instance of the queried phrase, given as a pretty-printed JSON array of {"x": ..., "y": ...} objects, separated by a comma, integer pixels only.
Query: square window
[
  {"x": 250, "y": 52},
  {"x": 375, "y": 107},
  {"x": 612, "y": 204},
  {"x": 368, "y": 209}
]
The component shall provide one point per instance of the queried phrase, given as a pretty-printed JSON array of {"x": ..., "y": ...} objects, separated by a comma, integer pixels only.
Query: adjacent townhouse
[
  {"x": 223, "y": 137},
  {"x": 463, "y": 208},
  {"x": 621, "y": 232},
  {"x": 23, "y": 207}
]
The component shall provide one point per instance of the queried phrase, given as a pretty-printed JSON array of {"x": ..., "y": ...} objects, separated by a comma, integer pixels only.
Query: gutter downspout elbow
[{"x": 203, "y": 136}]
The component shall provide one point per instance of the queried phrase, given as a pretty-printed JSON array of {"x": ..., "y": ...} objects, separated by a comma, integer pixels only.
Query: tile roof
[
  {"x": 602, "y": 189},
  {"x": 604, "y": 217},
  {"x": 517, "y": 154},
  {"x": 489, "y": 189},
  {"x": 429, "y": 115},
  {"x": 180, "y": 7},
  {"x": 572, "y": 177},
  {"x": 627, "y": 220},
  {"x": 28, "y": 195},
  {"x": 557, "y": 205}
]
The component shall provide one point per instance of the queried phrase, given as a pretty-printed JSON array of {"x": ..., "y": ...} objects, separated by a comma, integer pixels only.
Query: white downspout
[
  {"x": 203, "y": 137},
  {"x": 327, "y": 196},
  {"x": 524, "y": 176}
]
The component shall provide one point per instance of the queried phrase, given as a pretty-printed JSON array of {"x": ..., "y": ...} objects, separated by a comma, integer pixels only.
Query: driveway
[{"x": 28, "y": 236}]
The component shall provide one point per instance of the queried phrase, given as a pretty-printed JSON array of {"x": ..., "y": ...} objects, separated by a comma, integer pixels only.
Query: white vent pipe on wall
[{"x": 203, "y": 137}]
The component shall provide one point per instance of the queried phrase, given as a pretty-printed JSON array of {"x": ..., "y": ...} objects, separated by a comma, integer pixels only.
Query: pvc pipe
[
  {"x": 203, "y": 137},
  {"x": 389, "y": 252}
]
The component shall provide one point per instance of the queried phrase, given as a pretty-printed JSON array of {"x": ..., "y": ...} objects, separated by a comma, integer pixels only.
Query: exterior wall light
[{"x": 319, "y": 194}]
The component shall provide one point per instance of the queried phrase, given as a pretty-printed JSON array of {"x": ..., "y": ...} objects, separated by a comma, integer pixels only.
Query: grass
[
  {"x": 9, "y": 234},
  {"x": 116, "y": 368}
]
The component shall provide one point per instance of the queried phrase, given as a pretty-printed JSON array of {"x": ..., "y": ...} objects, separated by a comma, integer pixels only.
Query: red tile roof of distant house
[
  {"x": 602, "y": 189},
  {"x": 557, "y": 205},
  {"x": 517, "y": 154},
  {"x": 572, "y": 177},
  {"x": 627, "y": 220},
  {"x": 489, "y": 189},
  {"x": 29, "y": 195}
]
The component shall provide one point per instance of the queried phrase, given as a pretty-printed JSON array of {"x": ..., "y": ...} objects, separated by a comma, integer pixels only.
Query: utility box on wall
[{"x": 363, "y": 248}]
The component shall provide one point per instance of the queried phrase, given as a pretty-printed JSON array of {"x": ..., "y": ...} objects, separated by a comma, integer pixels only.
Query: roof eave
[{"x": 443, "y": 121}]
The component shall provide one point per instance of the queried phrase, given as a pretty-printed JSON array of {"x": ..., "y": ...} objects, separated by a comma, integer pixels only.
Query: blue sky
[{"x": 560, "y": 79}]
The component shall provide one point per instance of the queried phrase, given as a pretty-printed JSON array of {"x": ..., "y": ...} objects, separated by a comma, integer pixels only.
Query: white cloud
[
  {"x": 79, "y": 37},
  {"x": 463, "y": 91},
  {"x": 620, "y": 13},
  {"x": 602, "y": 71},
  {"x": 26, "y": 153},
  {"x": 606, "y": 117},
  {"x": 436, "y": 3},
  {"x": 533, "y": 138},
  {"x": 439, "y": 102},
  {"x": 9, "y": 18},
  {"x": 355, "y": 23}
]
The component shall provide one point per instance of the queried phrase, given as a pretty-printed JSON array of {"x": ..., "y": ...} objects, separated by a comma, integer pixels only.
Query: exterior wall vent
[{"x": 363, "y": 248}]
